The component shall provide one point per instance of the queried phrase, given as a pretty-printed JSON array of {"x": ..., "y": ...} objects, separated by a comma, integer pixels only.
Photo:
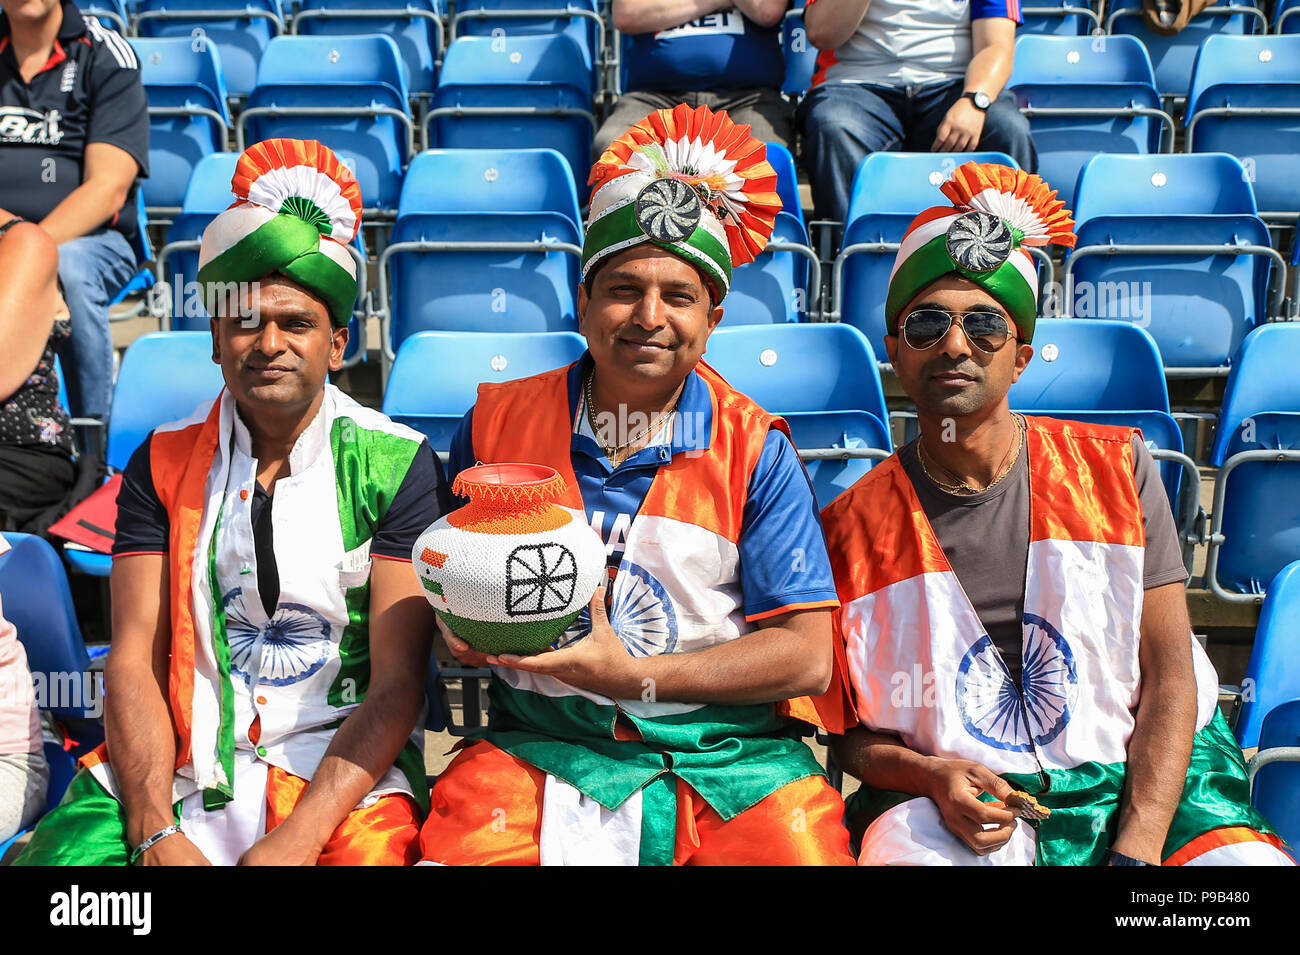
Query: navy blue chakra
[
  {"x": 641, "y": 613},
  {"x": 995, "y": 712},
  {"x": 289, "y": 648}
]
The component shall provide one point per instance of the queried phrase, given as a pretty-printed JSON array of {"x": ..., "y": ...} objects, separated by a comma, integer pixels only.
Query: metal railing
[
  {"x": 336, "y": 111},
  {"x": 1215, "y": 539}
]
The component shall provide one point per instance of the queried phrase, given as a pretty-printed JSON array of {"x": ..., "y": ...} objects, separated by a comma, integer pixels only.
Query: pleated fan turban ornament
[
  {"x": 296, "y": 209},
  {"x": 512, "y": 569},
  {"x": 689, "y": 181},
  {"x": 997, "y": 211}
]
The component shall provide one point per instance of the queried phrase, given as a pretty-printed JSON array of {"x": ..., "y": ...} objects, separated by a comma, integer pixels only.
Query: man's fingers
[
  {"x": 992, "y": 783},
  {"x": 982, "y": 812},
  {"x": 983, "y": 841},
  {"x": 597, "y": 608}
]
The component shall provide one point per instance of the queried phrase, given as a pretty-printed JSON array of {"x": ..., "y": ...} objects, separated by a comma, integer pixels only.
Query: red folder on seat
[{"x": 92, "y": 523}]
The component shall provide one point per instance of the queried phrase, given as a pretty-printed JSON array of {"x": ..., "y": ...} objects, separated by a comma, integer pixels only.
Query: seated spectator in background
[
  {"x": 703, "y": 53},
  {"x": 74, "y": 135},
  {"x": 910, "y": 76},
  {"x": 1168, "y": 17},
  {"x": 37, "y": 473},
  {"x": 24, "y": 774},
  {"x": 270, "y": 639}
]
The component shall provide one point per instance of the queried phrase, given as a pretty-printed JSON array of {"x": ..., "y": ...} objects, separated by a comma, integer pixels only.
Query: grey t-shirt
[{"x": 986, "y": 540}]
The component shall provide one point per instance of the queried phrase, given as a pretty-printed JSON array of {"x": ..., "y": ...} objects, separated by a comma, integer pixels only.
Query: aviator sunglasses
[{"x": 987, "y": 331}]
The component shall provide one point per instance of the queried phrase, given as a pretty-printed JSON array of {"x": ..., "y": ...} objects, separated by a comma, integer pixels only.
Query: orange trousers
[{"x": 487, "y": 810}]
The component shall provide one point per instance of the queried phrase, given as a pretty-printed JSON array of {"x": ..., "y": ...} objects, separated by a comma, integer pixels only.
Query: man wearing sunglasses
[{"x": 1014, "y": 630}]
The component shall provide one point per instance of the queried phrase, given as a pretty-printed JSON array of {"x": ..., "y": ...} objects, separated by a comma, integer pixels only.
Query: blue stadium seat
[
  {"x": 188, "y": 116},
  {"x": 1255, "y": 527},
  {"x": 1273, "y": 674},
  {"x": 1275, "y": 789},
  {"x": 1197, "y": 303},
  {"x": 414, "y": 25},
  {"x": 1286, "y": 19},
  {"x": 1104, "y": 372},
  {"x": 348, "y": 92},
  {"x": 1260, "y": 74},
  {"x": 800, "y": 55},
  {"x": 840, "y": 405},
  {"x": 455, "y": 259},
  {"x": 787, "y": 181},
  {"x": 775, "y": 286},
  {"x": 38, "y": 602},
  {"x": 532, "y": 90},
  {"x": 207, "y": 195},
  {"x": 1062, "y": 83},
  {"x": 242, "y": 35},
  {"x": 164, "y": 377},
  {"x": 143, "y": 279},
  {"x": 62, "y": 768},
  {"x": 1172, "y": 56},
  {"x": 1060, "y": 18},
  {"x": 434, "y": 402},
  {"x": 889, "y": 190},
  {"x": 577, "y": 19}
]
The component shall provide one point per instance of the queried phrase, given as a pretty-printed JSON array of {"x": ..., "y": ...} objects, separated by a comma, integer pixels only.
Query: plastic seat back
[
  {"x": 1262, "y": 378},
  {"x": 1261, "y": 510},
  {"x": 38, "y": 602},
  {"x": 1069, "y": 18},
  {"x": 1251, "y": 72},
  {"x": 800, "y": 55},
  {"x": 1277, "y": 785},
  {"x": 1172, "y": 56},
  {"x": 1057, "y": 72},
  {"x": 242, "y": 36},
  {"x": 345, "y": 73},
  {"x": 774, "y": 287},
  {"x": 411, "y": 24},
  {"x": 514, "y": 18},
  {"x": 477, "y": 181},
  {"x": 1091, "y": 365},
  {"x": 177, "y": 76},
  {"x": 435, "y": 403},
  {"x": 1273, "y": 674},
  {"x": 1199, "y": 184},
  {"x": 164, "y": 377}
]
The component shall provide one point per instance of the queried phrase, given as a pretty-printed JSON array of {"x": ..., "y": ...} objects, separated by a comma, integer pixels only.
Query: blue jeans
[
  {"x": 93, "y": 268},
  {"x": 843, "y": 122}
]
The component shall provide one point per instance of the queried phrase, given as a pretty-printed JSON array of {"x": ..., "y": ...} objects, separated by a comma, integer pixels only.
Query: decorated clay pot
[{"x": 511, "y": 570}]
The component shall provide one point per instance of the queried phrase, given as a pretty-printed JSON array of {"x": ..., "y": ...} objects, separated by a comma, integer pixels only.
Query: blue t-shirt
[
  {"x": 783, "y": 559},
  {"x": 720, "y": 51}
]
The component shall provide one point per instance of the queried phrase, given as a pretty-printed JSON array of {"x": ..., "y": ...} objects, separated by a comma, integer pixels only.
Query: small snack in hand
[{"x": 1026, "y": 806}]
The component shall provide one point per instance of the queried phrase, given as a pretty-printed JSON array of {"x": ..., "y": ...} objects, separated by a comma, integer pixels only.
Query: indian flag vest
[
  {"x": 274, "y": 687},
  {"x": 681, "y": 561},
  {"x": 923, "y": 667}
]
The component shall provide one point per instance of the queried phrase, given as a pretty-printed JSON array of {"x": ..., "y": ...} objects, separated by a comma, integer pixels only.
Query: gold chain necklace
[
  {"x": 612, "y": 451},
  {"x": 963, "y": 487}
]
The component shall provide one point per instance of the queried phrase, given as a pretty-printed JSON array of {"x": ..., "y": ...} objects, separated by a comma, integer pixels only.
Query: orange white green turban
[
  {"x": 996, "y": 212},
  {"x": 689, "y": 181},
  {"x": 296, "y": 210}
]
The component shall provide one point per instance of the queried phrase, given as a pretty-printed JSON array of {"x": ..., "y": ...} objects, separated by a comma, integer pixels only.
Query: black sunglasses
[{"x": 987, "y": 331}]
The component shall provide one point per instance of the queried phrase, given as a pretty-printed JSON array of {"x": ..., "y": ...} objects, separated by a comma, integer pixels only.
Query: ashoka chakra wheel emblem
[
  {"x": 668, "y": 210},
  {"x": 979, "y": 241}
]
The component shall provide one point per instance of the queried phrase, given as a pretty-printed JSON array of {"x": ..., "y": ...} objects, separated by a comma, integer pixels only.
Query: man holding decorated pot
[
  {"x": 658, "y": 732},
  {"x": 269, "y": 640}
]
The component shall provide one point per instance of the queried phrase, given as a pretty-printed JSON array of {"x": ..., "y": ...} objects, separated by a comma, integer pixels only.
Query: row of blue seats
[
  {"x": 824, "y": 378},
  {"x": 351, "y": 93},
  {"x": 1173, "y": 242},
  {"x": 243, "y": 29},
  {"x": 38, "y": 601},
  {"x": 489, "y": 240}
]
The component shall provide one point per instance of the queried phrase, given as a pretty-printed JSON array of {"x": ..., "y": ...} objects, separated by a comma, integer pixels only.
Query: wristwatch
[
  {"x": 1118, "y": 858},
  {"x": 979, "y": 98}
]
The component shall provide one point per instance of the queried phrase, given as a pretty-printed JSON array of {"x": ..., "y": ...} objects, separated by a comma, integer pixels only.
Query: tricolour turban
[
  {"x": 691, "y": 182},
  {"x": 996, "y": 212},
  {"x": 296, "y": 209}
]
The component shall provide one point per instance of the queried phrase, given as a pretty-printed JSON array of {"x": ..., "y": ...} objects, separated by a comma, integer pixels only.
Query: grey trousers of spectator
[
  {"x": 763, "y": 110},
  {"x": 24, "y": 778}
]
